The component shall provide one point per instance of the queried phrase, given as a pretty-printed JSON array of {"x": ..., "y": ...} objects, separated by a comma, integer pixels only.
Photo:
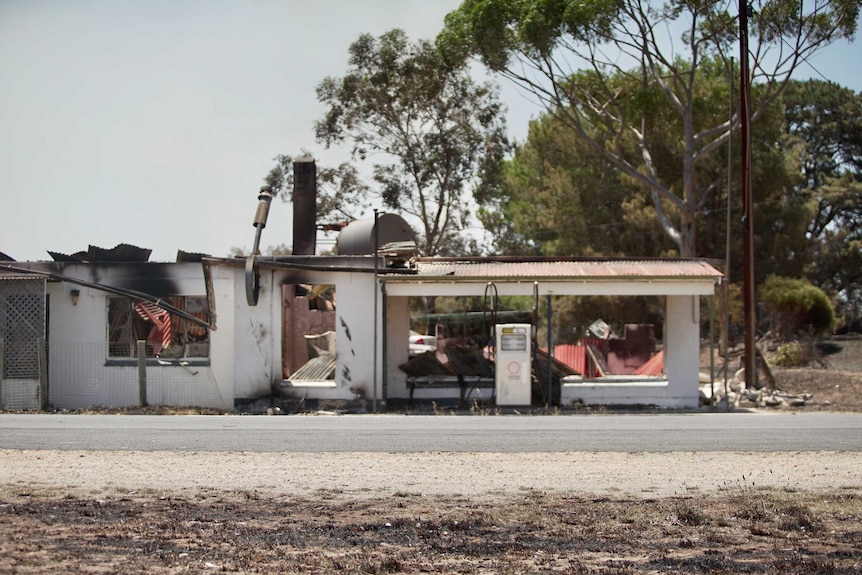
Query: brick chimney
[{"x": 304, "y": 207}]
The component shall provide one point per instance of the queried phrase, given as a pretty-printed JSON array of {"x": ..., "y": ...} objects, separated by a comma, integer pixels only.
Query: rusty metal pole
[{"x": 747, "y": 203}]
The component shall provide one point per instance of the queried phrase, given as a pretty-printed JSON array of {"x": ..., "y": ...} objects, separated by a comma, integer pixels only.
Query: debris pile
[
  {"x": 738, "y": 394},
  {"x": 459, "y": 360}
]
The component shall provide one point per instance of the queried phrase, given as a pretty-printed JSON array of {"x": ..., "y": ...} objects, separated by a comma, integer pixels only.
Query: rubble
[{"x": 738, "y": 392}]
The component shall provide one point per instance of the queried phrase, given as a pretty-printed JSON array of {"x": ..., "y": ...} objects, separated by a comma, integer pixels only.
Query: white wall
[
  {"x": 222, "y": 339},
  {"x": 79, "y": 376},
  {"x": 357, "y": 333},
  {"x": 256, "y": 332},
  {"x": 259, "y": 335},
  {"x": 397, "y": 345},
  {"x": 682, "y": 345}
]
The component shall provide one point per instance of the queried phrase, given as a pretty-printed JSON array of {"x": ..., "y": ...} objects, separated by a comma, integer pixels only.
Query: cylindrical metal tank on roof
[{"x": 357, "y": 237}]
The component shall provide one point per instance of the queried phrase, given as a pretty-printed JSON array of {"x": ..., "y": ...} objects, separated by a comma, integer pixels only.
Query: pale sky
[{"x": 153, "y": 122}]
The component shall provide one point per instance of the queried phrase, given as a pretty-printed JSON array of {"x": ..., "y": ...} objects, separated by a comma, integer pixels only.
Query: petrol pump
[{"x": 513, "y": 376}]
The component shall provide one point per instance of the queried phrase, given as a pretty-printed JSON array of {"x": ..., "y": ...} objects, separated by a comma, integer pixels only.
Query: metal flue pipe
[
  {"x": 260, "y": 217},
  {"x": 252, "y": 273}
]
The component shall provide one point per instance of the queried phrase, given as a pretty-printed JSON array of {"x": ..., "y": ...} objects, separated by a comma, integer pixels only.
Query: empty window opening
[{"x": 167, "y": 335}]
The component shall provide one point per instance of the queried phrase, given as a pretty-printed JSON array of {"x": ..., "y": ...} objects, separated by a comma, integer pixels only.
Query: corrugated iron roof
[
  {"x": 119, "y": 253},
  {"x": 481, "y": 268}
]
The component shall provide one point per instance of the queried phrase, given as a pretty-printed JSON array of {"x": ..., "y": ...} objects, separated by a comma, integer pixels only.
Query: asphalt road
[{"x": 740, "y": 432}]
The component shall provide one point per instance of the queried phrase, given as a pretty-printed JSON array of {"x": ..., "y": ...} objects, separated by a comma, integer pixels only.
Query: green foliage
[
  {"x": 432, "y": 131},
  {"x": 273, "y": 250},
  {"x": 544, "y": 46},
  {"x": 826, "y": 121},
  {"x": 561, "y": 197},
  {"x": 797, "y": 307},
  {"x": 341, "y": 193},
  {"x": 790, "y": 354},
  {"x": 573, "y": 315}
]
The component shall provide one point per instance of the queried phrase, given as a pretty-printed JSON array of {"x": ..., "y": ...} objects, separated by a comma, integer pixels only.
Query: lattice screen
[{"x": 22, "y": 324}]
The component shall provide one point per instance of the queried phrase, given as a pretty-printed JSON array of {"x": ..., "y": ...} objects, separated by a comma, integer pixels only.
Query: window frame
[{"x": 124, "y": 323}]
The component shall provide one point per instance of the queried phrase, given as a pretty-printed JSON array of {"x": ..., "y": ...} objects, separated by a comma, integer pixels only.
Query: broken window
[{"x": 166, "y": 335}]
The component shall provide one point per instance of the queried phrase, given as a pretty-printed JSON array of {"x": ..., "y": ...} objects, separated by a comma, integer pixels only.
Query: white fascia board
[{"x": 573, "y": 287}]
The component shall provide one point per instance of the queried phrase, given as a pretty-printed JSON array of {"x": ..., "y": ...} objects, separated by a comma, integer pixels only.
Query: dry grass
[
  {"x": 741, "y": 529},
  {"x": 832, "y": 390},
  {"x": 738, "y": 532}
]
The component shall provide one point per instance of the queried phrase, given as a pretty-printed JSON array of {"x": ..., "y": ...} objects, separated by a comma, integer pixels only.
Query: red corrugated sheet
[
  {"x": 576, "y": 357},
  {"x": 572, "y": 355},
  {"x": 653, "y": 366}
]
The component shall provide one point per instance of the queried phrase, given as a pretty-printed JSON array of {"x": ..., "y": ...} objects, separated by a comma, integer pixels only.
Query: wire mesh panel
[
  {"x": 22, "y": 325},
  {"x": 84, "y": 376},
  {"x": 79, "y": 377}
]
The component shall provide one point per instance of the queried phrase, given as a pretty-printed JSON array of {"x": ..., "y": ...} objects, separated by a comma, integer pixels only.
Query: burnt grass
[
  {"x": 740, "y": 529},
  {"x": 743, "y": 530},
  {"x": 835, "y": 381}
]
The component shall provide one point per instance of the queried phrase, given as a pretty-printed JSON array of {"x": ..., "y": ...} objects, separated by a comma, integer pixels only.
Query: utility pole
[{"x": 745, "y": 12}]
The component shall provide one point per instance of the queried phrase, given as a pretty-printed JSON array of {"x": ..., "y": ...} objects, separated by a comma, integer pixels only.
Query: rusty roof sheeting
[
  {"x": 571, "y": 355},
  {"x": 119, "y": 253},
  {"x": 552, "y": 268}
]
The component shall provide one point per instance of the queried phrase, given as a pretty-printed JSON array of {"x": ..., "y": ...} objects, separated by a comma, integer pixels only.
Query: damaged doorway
[{"x": 308, "y": 340}]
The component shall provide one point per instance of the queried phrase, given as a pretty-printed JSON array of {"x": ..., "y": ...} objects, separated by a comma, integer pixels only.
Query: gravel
[{"x": 644, "y": 475}]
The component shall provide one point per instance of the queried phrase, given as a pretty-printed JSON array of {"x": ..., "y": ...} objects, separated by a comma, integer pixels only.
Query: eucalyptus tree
[
  {"x": 564, "y": 198},
  {"x": 826, "y": 120},
  {"x": 559, "y": 197},
  {"x": 567, "y": 54},
  {"x": 431, "y": 132},
  {"x": 342, "y": 195}
]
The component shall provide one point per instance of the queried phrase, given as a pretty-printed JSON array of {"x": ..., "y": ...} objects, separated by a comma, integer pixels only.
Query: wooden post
[
  {"x": 43, "y": 373},
  {"x": 549, "y": 403},
  {"x": 2, "y": 357},
  {"x": 142, "y": 373},
  {"x": 747, "y": 202},
  {"x": 376, "y": 285},
  {"x": 712, "y": 350}
]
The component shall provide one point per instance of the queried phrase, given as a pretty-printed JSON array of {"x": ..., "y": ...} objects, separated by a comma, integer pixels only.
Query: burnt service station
[{"x": 110, "y": 328}]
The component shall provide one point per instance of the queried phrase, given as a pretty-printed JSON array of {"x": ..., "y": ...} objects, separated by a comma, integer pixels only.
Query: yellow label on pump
[{"x": 513, "y": 330}]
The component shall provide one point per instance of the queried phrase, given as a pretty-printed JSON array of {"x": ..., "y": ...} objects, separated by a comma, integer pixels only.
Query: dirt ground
[
  {"x": 171, "y": 513},
  {"x": 834, "y": 380},
  {"x": 743, "y": 531}
]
